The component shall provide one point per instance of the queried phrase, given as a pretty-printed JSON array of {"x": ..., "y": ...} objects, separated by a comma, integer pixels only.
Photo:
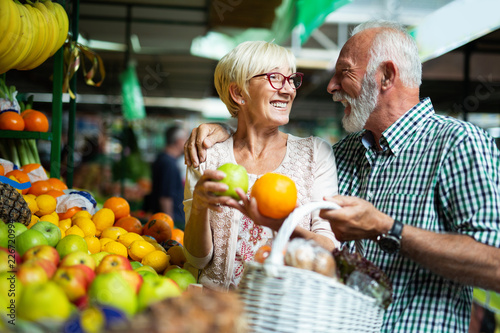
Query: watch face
[{"x": 389, "y": 244}]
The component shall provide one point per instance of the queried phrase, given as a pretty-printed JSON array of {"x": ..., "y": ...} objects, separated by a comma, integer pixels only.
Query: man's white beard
[{"x": 362, "y": 106}]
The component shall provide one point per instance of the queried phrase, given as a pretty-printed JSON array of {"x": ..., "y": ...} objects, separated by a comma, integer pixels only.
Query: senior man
[{"x": 419, "y": 191}]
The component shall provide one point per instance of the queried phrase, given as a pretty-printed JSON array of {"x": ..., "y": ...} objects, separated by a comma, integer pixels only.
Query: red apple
[
  {"x": 12, "y": 252},
  {"x": 89, "y": 273},
  {"x": 133, "y": 278},
  {"x": 82, "y": 302},
  {"x": 77, "y": 258},
  {"x": 72, "y": 281},
  {"x": 47, "y": 265},
  {"x": 113, "y": 262},
  {"x": 42, "y": 252},
  {"x": 31, "y": 272}
]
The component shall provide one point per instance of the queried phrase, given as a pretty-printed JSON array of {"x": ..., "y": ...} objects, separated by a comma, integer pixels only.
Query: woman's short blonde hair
[{"x": 243, "y": 62}]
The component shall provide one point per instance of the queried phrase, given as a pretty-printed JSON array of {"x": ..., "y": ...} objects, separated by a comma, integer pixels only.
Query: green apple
[
  {"x": 99, "y": 256},
  {"x": 155, "y": 289},
  {"x": 71, "y": 243},
  {"x": 10, "y": 292},
  {"x": 49, "y": 230},
  {"x": 146, "y": 268},
  {"x": 4, "y": 234},
  {"x": 113, "y": 290},
  {"x": 77, "y": 258},
  {"x": 135, "y": 264},
  {"x": 10, "y": 231},
  {"x": 236, "y": 177},
  {"x": 181, "y": 276},
  {"x": 40, "y": 302},
  {"x": 28, "y": 239},
  {"x": 147, "y": 274}
]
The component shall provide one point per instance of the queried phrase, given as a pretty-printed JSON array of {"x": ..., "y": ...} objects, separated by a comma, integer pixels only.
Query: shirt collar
[{"x": 394, "y": 137}]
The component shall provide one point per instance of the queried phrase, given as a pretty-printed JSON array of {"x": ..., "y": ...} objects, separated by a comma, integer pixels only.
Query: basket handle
[{"x": 276, "y": 257}]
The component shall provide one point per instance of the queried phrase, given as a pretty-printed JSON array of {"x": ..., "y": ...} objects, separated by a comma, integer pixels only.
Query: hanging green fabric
[{"x": 133, "y": 102}]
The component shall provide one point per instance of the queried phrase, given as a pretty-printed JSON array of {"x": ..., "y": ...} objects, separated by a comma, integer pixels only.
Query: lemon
[
  {"x": 104, "y": 240},
  {"x": 103, "y": 218},
  {"x": 46, "y": 204},
  {"x": 65, "y": 224},
  {"x": 93, "y": 244},
  {"x": 139, "y": 249},
  {"x": 116, "y": 248},
  {"x": 63, "y": 233},
  {"x": 149, "y": 239},
  {"x": 113, "y": 232},
  {"x": 81, "y": 213},
  {"x": 128, "y": 238},
  {"x": 50, "y": 218},
  {"x": 157, "y": 259},
  {"x": 75, "y": 230},
  {"x": 34, "y": 220},
  {"x": 32, "y": 205},
  {"x": 86, "y": 224}
]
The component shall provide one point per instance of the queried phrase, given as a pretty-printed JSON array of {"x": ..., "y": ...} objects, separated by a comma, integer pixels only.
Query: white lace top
[{"x": 308, "y": 161}]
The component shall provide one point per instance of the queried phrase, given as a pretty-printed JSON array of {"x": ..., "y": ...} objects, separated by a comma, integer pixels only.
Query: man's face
[
  {"x": 351, "y": 84},
  {"x": 361, "y": 106}
]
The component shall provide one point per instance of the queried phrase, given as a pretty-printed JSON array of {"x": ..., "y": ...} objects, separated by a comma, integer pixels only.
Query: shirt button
[{"x": 369, "y": 195}]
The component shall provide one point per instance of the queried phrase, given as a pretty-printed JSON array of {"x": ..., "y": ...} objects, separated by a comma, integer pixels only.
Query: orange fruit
[
  {"x": 2, "y": 170},
  {"x": 119, "y": 206},
  {"x": 39, "y": 187},
  {"x": 276, "y": 195},
  {"x": 57, "y": 184},
  {"x": 158, "y": 229},
  {"x": 35, "y": 121},
  {"x": 20, "y": 177},
  {"x": 12, "y": 121},
  {"x": 55, "y": 193},
  {"x": 178, "y": 235},
  {"x": 69, "y": 213},
  {"x": 27, "y": 168},
  {"x": 163, "y": 216},
  {"x": 130, "y": 223},
  {"x": 262, "y": 253}
]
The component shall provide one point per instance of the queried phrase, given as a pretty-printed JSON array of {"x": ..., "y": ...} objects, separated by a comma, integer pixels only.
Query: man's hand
[
  {"x": 357, "y": 219},
  {"x": 202, "y": 138}
]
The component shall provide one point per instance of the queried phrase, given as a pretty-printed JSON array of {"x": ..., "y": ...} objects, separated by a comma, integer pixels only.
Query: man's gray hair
[{"x": 394, "y": 43}]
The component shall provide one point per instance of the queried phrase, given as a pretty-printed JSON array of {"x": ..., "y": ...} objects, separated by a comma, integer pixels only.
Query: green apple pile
[{"x": 48, "y": 279}]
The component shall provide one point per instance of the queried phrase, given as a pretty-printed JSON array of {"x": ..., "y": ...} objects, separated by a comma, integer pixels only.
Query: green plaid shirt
[{"x": 436, "y": 173}]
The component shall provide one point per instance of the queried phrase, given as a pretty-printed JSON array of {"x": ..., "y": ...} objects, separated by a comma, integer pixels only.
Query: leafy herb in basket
[{"x": 362, "y": 275}]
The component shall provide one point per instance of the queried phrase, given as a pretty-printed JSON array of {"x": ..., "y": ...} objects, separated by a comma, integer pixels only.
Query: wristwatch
[{"x": 391, "y": 242}]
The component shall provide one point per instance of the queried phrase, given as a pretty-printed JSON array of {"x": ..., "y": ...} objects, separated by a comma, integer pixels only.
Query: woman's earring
[{"x": 242, "y": 101}]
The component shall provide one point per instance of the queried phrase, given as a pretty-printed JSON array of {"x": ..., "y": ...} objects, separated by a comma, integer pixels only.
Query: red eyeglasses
[{"x": 277, "y": 80}]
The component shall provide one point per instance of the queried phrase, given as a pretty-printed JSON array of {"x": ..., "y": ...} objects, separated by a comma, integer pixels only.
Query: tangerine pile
[{"x": 276, "y": 195}]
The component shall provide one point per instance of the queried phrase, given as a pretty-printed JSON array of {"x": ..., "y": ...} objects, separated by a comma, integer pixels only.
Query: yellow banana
[
  {"x": 24, "y": 43},
  {"x": 36, "y": 41},
  {"x": 62, "y": 22},
  {"x": 11, "y": 25},
  {"x": 41, "y": 33},
  {"x": 51, "y": 24}
]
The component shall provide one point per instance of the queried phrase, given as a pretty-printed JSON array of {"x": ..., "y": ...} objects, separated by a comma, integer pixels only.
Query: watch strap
[{"x": 397, "y": 229}]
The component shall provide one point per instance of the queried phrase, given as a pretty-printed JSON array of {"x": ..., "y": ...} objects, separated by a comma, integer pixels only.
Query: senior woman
[{"x": 258, "y": 84}]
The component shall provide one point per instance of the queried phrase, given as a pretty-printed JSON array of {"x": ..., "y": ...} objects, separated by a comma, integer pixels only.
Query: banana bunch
[{"x": 30, "y": 33}]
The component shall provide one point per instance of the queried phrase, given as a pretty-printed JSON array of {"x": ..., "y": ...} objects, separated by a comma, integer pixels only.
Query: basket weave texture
[{"x": 279, "y": 298}]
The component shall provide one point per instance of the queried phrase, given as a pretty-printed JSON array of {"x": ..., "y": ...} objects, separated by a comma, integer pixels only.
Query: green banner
[{"x": 133, "y": 102}]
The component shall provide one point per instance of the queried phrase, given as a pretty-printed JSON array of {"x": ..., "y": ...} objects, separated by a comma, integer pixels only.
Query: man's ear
[
  {"x": 236, "y": 93},
  {"x": 389, "y": 74}
]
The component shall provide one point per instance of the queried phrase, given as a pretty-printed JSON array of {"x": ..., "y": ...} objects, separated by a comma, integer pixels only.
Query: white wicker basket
[{"x": 281, "y": 298}]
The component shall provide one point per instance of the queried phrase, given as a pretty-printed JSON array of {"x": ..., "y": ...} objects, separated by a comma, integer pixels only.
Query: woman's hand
[
  {"x": 204, "y": 197},
  {"x": 250, "y": 208}
]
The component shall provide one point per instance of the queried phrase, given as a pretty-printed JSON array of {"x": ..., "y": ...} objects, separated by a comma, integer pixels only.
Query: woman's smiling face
[{"x": 266, "y": 104}]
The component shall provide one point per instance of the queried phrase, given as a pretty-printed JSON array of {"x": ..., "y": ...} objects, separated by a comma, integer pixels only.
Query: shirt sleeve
[
  {"x": 325, "y": 184},
  {"x": 470, "y": 187},
  {"x": 192, "y": 177}
]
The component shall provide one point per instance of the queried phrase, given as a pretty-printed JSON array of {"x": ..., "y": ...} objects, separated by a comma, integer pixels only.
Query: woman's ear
[
  {"x": 389, "y": 74},
  {"x": 236, "y": 93}
]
